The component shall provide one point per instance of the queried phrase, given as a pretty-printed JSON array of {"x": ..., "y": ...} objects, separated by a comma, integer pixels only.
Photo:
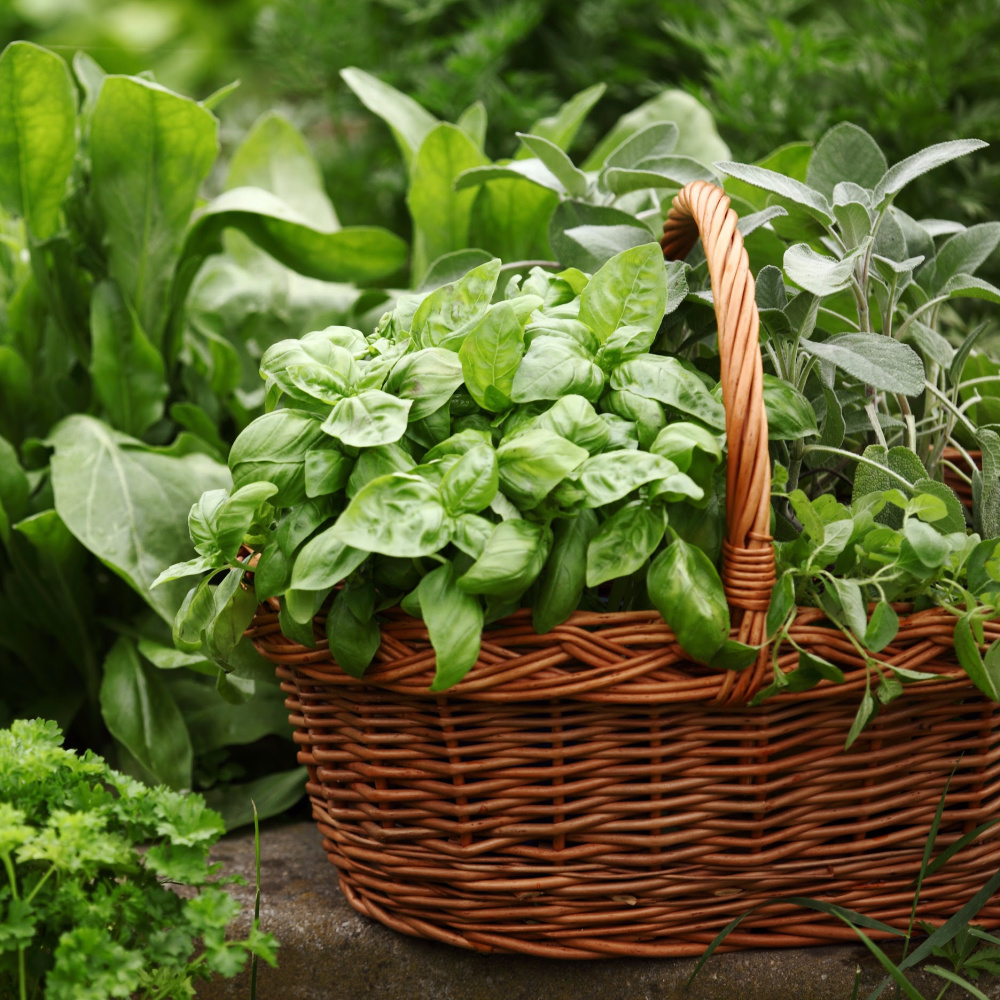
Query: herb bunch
[{"x": 84, "y": 913}]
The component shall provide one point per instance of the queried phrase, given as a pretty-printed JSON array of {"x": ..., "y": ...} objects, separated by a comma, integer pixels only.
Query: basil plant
[{"x": 480, "y": 450}]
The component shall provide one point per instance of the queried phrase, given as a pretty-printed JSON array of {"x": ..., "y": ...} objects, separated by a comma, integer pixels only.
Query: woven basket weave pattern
[{"x": 591, "y": 792}]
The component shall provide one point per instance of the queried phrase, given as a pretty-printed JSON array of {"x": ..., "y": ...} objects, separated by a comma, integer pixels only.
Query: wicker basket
[{"x": 591, "y": 792}]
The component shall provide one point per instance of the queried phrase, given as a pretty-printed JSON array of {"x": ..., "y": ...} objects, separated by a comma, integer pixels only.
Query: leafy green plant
[
  {"x": 88, "y": 857},
  {"x": 555, "y": 440},
  {"x": 128, "y": 349},
  {"x": 521, "y": 208}
]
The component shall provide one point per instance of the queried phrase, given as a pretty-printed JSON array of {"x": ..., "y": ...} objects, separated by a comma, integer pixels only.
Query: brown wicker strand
[{"x": 748, "y": 573}]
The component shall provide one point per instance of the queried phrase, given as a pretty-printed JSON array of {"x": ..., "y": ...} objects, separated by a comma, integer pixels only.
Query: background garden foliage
[{"x": 128, "y": 367}]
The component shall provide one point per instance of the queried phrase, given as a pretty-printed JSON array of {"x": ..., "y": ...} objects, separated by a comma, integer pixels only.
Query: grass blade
[
  {"x": 887, "y": 963},
  {"x": 949, "y": 852},
  {"x": 943, "y": 973}
]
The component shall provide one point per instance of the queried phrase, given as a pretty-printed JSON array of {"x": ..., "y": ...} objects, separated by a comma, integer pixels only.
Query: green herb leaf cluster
[{"x": 87, "y": 860}]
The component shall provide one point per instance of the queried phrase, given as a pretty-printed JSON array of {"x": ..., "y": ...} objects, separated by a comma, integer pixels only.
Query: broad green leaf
[
  {"x": 646, "y": 415},
  {"x": 985, "y": 677},
  {"x": 352, "y": 632},
  {"x": 472, "y": 482},
  {"x": 658, "y": 172},
  {"x": 368, "y": 420},
  {"x": 873, "y": 359},
  {"x": 593, "y": 246},
  {"x": 310, "y": 370},
  {"x": 965, "y": 286},
  {"x": 554, "y": 367},
  {"x": 655, "y": 140},
  {"x": 612, "y": 475},
  {"x": 128, "y": 371},
  {"x": 882, "y": 627},
  {"x": 685, "y": 588},
  {"x": 963, "y": 253},
  {"x": 150, "y": 151},
  {"x": 562, "y": 127},
  {"x": 441, "y": 215},
  {"x": 407, "y": 120},
  {"x": 770, "y": 180},
  {"x": 624, "y": 542},
  {"x": 900, "y": 174},
  {"x": 375, "y": 462},
  {"x": 532, "y": 464},
  {"x": 355, "y": 253},
  {"x": 513, "y": 557},
  {"x": 451, "y": 311},
  {"x": 451, "y": 267},
  {"x": 272, "y": 795},
  {"x": 274, "y": 156},
  {"x": 818, "y": 273},
  {"x": 629, "y": 290},
  {"x": 454, "y": 621},
  {"x": 273, "y": 448},
  {"x": 14, "y": 486},
  {"x": 37, "y": 135},
  {"x": 573, "y": 418},
  {"x": 865, "y": 711},
  {"x": 397, "y": 515},
  {"x": 852, "y": 604},
  {"x": 491, "y": 353},
  {"x": 220, "y": 519},
  {"x": 845, "y": 153},
  {"x": 782, "y": 602},
  {"x": 573, "y": 180},
  {"x": 140, "y": 712},
  {"x": 473, "y": 121},
  {"x": 669, "y": 382},
  {"x": 698, "y": 135},
  {"x": 930, "y": 547},
  {"x": 427, "y": 377},
  {"x": 128, "y": 504},
  {"x": 510, "y": 218},
  {"x": 561, "y": 582},
  {"x": 790, "y": 415}
]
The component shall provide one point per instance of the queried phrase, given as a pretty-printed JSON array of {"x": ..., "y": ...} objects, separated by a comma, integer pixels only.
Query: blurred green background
[{"x": 912, "y": 72}]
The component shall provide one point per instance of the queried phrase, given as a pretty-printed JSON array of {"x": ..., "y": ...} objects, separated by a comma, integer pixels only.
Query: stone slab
[{"x": 330, "y": 952}]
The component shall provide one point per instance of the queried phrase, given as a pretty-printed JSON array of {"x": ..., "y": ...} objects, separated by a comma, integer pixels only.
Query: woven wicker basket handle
[{"x": 702, "y": 209}]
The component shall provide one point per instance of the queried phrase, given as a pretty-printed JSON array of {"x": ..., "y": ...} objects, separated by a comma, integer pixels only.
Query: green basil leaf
[
  {"x": 327, "y": 470},
  {"x": 472, "y": 482},
  {"x": 513, "y": 557},
  {"x": 370, "y": 419},
  {"x": 397, "y": 515},
  {"x": 646, "y": 414},
  {"x": 624, "y": 542},
  {"x": 612, "y": 475},
  {"x": 272, "y": 449},
  {"x": 448, "y": 314},
  {"x": 373, "y": 463},
  {"x": 685, "y": 588},
  {"x": 353, "y": 639},
  {"x": 575, "y": 419},
  {"x": 669, "y": 382},
  {"x": 492, "y": 352},
  {"x": 561, "y": 582},
  {"x": 324, "y": 561},
  {"x": 472, "y": 532},
  {"x": 310, "y": 369},
  {"x": 428, "y": 377},
  {"x": 554, "y": 367},
  {"x": 629, "y": 290},
  {"x": 219, "y": 520},
  {"x": 454, "y": 622},
  {"x": 533, "y": 463}
]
